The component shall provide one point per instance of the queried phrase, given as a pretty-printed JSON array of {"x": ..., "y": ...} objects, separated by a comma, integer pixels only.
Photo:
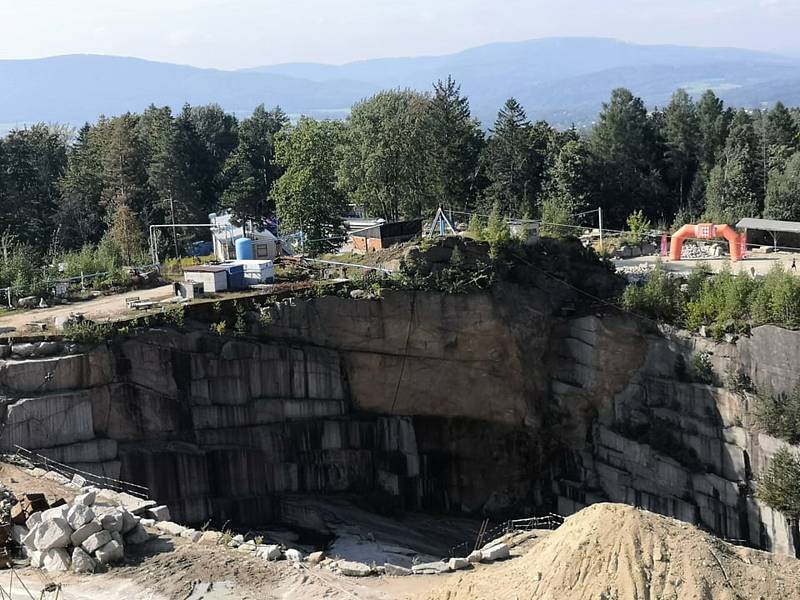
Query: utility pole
[{"x": 600, "y": 226}]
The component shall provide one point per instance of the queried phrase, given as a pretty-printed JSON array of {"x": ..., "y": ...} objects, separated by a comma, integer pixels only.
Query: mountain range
[{"x": 562, "y": 80}]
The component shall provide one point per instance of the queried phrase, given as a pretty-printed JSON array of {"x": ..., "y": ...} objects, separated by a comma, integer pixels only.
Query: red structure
[{"x": 706, "y": 231}]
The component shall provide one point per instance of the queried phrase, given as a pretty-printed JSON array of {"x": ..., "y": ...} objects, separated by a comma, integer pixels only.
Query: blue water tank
[{"x": 244, "y": 249}]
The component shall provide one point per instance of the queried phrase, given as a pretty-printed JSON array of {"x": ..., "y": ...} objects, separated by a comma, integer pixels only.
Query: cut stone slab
[
  {"x": 431, "y": 568},
  {"x": 396, "y": 570},
  {"x": 57, "y": 477},
  {"x": 52, "y": 533},
  {"x": 475, "y": 556},
  {"x": 496, "y": 552},
  {"x": 82, "y": 562},
  {"x": 456, "y": 564},
  {"x": 353, "y": 569},
  {"x": 95, "y": 541},
  {"x": 158, "y": 513},
  {"x": 58, "y": 512},
  {"x": 79, "y": 515},
  {"x": 83, "y": 533},
  {"x": 111, "y": 552},
  {"x": 87, "y": 499},
  {"x": 268, "y": 552},
  {"x": 55, "y": 559},
  {"x": 170, "y": 527},
  {"x": 138, "y": 535},
  {"x": 293, "y": 555}
]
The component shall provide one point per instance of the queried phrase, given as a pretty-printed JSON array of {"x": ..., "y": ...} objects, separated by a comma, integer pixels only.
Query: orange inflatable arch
[{"x": 705, "y": 231}]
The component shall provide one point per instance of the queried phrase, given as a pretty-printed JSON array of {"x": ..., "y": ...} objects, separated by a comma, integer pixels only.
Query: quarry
[{"x": 334, "y": 441}]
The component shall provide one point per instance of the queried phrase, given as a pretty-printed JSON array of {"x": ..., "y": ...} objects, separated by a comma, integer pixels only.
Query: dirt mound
[{"x": 616, "y": 552}]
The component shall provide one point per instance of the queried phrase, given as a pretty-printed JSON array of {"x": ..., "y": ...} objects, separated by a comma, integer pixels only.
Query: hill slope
[{"x": 561, "y": 79}]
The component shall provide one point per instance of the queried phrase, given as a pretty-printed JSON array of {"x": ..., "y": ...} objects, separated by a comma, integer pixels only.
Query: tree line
[{"x": 400, "y": 154}]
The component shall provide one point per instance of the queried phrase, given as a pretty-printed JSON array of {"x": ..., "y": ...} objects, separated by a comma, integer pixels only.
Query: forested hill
[{"x": 562, "y": 80}]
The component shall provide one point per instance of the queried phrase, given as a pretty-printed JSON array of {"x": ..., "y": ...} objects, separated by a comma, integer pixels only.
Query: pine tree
[
  {"x": 126, "y": 235},
  {"x": 783, "y": 191},
  {"x": 713, "y": 122},
  {"x": 682, "y": 143}
]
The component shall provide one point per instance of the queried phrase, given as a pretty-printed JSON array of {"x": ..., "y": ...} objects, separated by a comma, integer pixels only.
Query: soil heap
[{"x": 617, "y": 552}]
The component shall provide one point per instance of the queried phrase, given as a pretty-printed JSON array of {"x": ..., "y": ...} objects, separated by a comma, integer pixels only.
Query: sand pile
[{"x": 616, "y": 552}]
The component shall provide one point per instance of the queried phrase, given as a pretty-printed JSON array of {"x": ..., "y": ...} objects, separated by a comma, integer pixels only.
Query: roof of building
[
  {"x": 769, "y": 225},
  {"x": 225, "y": 229},
  {"x": 388, "y": 230},
  {"x": 205, "y": 269}
]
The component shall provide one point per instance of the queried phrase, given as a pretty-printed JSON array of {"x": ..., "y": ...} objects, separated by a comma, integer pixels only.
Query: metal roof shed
[{"x": 772, "y": 226}]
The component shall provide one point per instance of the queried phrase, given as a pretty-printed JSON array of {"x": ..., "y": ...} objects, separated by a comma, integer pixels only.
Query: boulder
[
  {"x": 23, "y": 350},
  {"x": 396, "y": 570},
  {"x": 52, "y": 533},
  {"x": 431, "y": 568},
  {"x": 36, "y": 558},
  {"x": 158, "y": 513},
  {"x": 117, "y": 537},
  {"x": 29, "y": 540},
  {"x": 209, "y": 538},
  {"x": 87, "y": 499},
  {"x": 193, "y": 535},
  {"x": 78, "y": 480},
  {"x": 82, "y": 562},
  {"x": 55, "y": 559},
  {"x": 111, "y": 552},
  {"x": 82, "y": 534},
  {"x": 353, "y": 569},
  {"x": 57, "y": 512},
  {"x": 95, "y": 541},
  {"x": 456, "y": 564},
  {"x": 128, "y": 521},
  {"x": 293, "y": 555},
  {"x": 315, "y": 558},
  {"x": 18, "y": 532},
  {"x": 236, "y": 541},
  {"x": 79, "y": 515},
  {"x": 170, "y": 528},
  {"x": 496, "y": 552},
  {"x": 33, "y": 520},
  {"x": 249, "y": 546},
  {"x": 137, "y": 535},
  {"x": 268, "y": 552},
  {"x": 475, "y": 556},
  {"x": 112, "y": 521}
]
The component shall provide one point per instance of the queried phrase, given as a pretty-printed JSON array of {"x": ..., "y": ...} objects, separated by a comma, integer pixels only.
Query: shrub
[
  {"x": 779, "y": 414},
  {"x": 659, "y": 297},
  {"x": 779, "y": 485},
  {"x": 88, "y": 332},
  {"x": 638, "y": 227},
  {"x": 702, "y": 368}
]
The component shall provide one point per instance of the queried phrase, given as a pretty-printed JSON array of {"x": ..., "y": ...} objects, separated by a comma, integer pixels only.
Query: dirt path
[{"x": 102, "y": 308}]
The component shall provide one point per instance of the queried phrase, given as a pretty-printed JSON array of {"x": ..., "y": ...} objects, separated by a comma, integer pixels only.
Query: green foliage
[
  {"x": 638, "y": 227},
  {"x": 702, "y": 369},
  {"x": 175, "y": 315},
  {"x": 475, "y": 227},
  {"x": 783, "y": 191},
  {"x": 659, "y": 297},
  {"x": 88, "y": 332},
  {"x": 220, "y": 327},
  {"x": 306, "y": 195},
  {"x": 779, "y": 486},
  {"x": 779, "y": 414},
  {"x": 497, "y": 232}
]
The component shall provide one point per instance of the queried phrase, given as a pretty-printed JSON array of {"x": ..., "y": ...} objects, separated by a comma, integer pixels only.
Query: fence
[
  {"x": 548, "y": 521},
  {"x": 101, "y": 481}
]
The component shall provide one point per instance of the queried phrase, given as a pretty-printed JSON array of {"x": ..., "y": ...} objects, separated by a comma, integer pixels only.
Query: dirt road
[{"x": 97, "y": 309}]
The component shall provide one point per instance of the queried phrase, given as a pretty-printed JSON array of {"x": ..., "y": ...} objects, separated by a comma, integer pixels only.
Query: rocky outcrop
[{"x": 483, "y": 403}]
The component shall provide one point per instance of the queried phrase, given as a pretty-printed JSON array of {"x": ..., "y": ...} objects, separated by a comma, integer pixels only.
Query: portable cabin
[
  {"x": 385, "y": 235},
  {"x": 263, "y": 243},
  {"x": 213, "y": 277}
]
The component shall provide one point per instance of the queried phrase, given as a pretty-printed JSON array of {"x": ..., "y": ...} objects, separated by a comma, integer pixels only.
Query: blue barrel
[{"x": 244, "y": 249}]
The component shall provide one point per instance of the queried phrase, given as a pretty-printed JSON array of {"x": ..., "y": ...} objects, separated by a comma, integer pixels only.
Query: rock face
[{"x": 484, "y": 402}]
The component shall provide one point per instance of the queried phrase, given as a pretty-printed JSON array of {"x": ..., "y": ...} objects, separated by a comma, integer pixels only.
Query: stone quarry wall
[{"x": 484, "y": 403}]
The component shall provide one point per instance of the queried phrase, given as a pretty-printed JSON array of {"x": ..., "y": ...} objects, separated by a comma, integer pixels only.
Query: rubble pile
[{"x": 93, "y": 530}]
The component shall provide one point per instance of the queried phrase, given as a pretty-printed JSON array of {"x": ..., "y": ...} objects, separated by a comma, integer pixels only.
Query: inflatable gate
[{"x": 705, "y": 231}]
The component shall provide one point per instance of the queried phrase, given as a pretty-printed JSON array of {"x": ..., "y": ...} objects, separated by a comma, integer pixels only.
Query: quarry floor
[{"x": 762, "y": 263}]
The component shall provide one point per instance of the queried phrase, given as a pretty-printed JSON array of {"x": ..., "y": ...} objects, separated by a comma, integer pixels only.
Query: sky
[{"x": 231, "y": 34}]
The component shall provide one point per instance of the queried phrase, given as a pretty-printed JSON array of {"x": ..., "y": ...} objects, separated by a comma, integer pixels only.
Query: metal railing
[
  {"x": 101, "y": 481},
  {"x": 548, "y": 521}
]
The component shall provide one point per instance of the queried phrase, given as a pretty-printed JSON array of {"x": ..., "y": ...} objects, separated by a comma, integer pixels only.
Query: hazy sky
[{"x": 243, "y": 33}]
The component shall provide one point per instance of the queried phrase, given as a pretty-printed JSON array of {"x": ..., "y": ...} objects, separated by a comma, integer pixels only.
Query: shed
[
  {"x": 789, "y": 229},
  {"x": 386, "y": 234},
  {"x": 214, "y": 278}
]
